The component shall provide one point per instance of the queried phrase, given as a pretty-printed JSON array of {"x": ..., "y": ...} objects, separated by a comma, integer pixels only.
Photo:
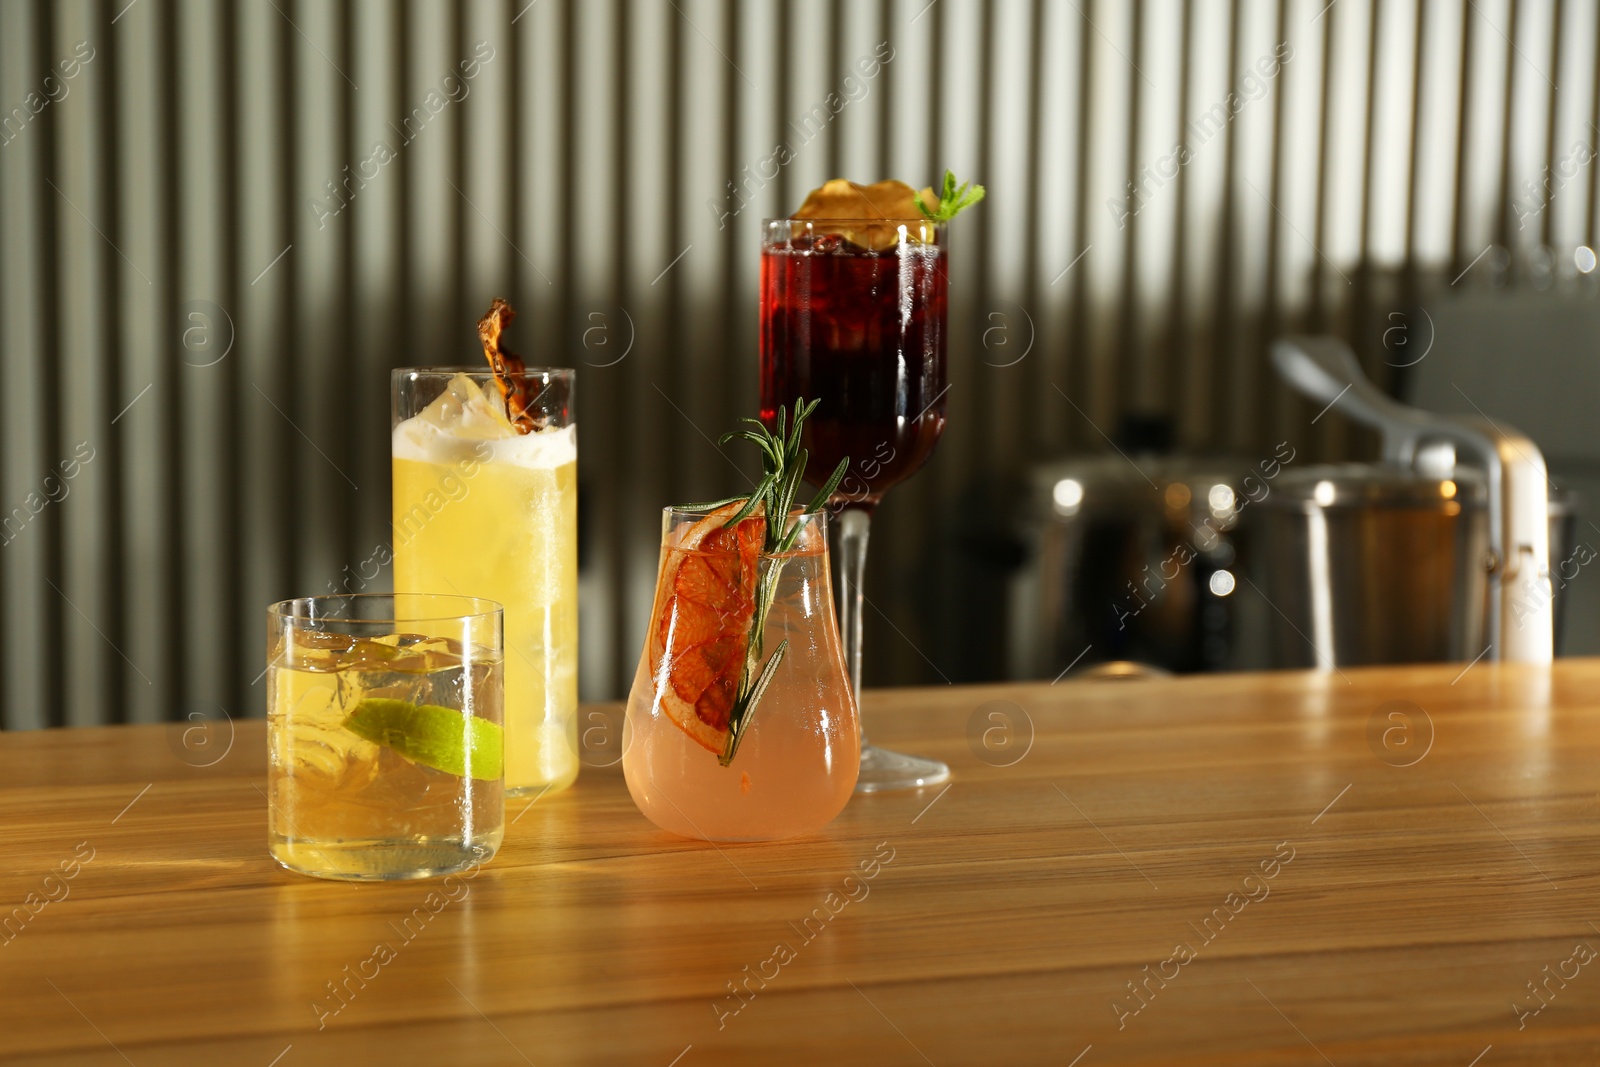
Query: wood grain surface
[{"x": 1387, "y": 866}]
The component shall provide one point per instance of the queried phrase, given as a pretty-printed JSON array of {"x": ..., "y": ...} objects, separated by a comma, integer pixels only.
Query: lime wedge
[{"x": 434, "y": 736}]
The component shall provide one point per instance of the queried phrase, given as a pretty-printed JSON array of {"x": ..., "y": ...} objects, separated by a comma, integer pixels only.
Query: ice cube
[
  {"x": 835, "y": 244},
  {"x": 445, "y": 687},
  {"x": 368, "y": 654},
  {"x": 465, "y": 410},
  {"x": 389, "y": 685},
  {"x": 322, "y": 639},
  {"x": 398, "y": 788},
  {"x": 312, "y": 650}
]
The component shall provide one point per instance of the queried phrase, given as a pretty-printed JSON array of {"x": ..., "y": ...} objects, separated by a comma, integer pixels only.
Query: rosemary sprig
[
  {"x": 952, "y": 201},
  {"x": 783, "y": 464}
]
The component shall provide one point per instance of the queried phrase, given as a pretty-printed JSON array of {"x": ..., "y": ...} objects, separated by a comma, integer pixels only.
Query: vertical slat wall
[{"x": 222, "y": 224}]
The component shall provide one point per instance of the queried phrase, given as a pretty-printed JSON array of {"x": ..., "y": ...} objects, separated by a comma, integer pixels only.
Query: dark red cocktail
[
  {"x": 853, "y": 316},
  {"x": 863, "y": 333}
]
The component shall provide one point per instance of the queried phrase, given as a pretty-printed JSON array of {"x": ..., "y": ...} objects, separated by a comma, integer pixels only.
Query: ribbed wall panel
[{"x": 234, "y": 219}]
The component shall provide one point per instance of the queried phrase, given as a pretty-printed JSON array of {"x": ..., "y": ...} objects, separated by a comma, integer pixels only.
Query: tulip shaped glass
[{"x": 796, "y": 760}]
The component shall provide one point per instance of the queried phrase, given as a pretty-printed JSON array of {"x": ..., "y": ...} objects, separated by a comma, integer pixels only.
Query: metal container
[
  {"x": 1129, "y": 559},
  {"x": 1382, "y": 563},
  {"x": 1363, "y": 563}
]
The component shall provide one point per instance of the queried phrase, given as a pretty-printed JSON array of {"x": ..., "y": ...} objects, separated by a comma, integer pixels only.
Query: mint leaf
[{"x": 952, "y": 201}]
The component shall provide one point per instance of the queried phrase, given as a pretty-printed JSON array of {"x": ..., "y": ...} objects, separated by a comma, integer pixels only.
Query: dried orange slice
[
  {"x": 705, "y": 602},
  {"x": 892, "y": 202}
]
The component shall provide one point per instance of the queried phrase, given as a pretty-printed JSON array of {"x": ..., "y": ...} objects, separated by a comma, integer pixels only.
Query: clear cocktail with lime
[{"x": 384, "y": 735}]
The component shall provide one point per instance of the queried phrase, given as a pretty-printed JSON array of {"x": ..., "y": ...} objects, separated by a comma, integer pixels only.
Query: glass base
[
  {"x": 534, "y": 792},
  {"x": 384, "y": 861},
  {"x": 883, "y": 771}
]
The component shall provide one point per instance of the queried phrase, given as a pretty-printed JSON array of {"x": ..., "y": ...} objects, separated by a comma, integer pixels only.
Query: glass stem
[{"x": 853, "y": 526}]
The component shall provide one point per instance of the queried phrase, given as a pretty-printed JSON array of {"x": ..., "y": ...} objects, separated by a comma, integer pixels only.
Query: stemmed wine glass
[{"x": 859, "y": 327}]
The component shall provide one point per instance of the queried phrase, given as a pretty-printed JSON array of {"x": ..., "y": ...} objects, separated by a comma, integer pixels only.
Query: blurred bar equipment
[
  {"x": 1440, "y": 551},
  {"x": 1131, "y": 562}
]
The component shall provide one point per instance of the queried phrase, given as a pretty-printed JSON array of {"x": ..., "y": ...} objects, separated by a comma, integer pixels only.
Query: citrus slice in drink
[
  {"x": 434, "y": 736},
  {"x": 706, "y": 599},
  {"x": 854, "y": 211}
]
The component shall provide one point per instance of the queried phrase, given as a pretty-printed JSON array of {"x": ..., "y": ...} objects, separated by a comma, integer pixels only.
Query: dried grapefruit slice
[{"x": 705, "y": 602}]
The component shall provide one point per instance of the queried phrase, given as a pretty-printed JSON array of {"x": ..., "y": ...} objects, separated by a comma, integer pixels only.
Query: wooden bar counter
[{"x": 1387, "y": 866}]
